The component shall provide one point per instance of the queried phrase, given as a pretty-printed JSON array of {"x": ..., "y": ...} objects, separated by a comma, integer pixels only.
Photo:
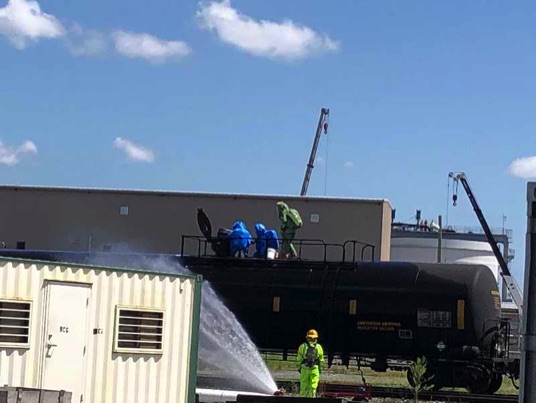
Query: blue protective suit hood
[
  {"x": 260, "y": 229},
  {"x": 239, "y": 225}
]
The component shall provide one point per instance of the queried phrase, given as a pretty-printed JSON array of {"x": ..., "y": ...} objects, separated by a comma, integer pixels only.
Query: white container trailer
[{"x": 105, "y": 334}]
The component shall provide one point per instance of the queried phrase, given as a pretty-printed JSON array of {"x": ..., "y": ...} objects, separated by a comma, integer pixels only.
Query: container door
[{"x": 65, "y": 338}]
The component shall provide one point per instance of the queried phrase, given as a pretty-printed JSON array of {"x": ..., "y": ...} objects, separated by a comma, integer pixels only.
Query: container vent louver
[
  {"x": 15, "y": 323},
  {"x": 139, "y": 330}
]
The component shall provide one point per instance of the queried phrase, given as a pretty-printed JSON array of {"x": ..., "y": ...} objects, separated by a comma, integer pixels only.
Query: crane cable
[
  {"x": 455, "y": 184},
  {"x": 455, "y": 192},
  {"x": 448, "y": 201}
]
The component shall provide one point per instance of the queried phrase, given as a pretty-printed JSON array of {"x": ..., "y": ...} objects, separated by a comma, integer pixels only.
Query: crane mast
[
  {"x": 504, "y": 270},
  {"x": 322, "y": 124}
]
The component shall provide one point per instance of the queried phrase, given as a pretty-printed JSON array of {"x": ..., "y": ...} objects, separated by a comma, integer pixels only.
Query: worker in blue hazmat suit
[
  {"x": 240, "y": 239},
  {"x": 260, "y": 242},
  {"x": 272, "y": 240},
  {"x": 291, "y": 221},
  {"x": 266, "y": 238}
]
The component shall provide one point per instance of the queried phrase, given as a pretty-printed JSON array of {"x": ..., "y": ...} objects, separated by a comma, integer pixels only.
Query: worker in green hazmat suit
[
  {"x": 310, "y": 360},
  {"x": 290, "y": 222}
]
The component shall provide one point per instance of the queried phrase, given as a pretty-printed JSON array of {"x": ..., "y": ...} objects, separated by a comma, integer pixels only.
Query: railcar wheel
[
  {"x": 496, "y": 382},
  {"x": 478, "y": 379},
  {"x": 410, "y": 378}
]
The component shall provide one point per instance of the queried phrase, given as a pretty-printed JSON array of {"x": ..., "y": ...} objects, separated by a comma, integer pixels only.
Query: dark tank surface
[
  {"x": 396, "y": 310},
  {"x": 385, "y": 309}
]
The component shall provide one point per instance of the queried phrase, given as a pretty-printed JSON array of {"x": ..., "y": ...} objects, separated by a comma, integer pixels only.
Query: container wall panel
[{"x": 109, "y": 376}]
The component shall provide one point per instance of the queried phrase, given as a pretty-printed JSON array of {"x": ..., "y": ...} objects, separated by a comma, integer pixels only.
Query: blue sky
[{"x": 224, "y": 96}]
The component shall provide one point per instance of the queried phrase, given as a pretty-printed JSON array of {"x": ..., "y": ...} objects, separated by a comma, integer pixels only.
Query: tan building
[{"x": 154, "y": 221}]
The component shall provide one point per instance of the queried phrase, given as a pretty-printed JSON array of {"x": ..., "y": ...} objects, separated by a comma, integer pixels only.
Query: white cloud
[
  {"x": 11, "y": 155},
  {"x": 523, "y": 167},
  {"x": 148, "y": 47},
  {"x": 348, "y": 165},
  {"x": 28, "y": 147},
  {"x": 84, "y": 42},
  {"x": 22, "y": 21},
  {"x": 284, "y": 40},
  {"x": 134, "y": 152}
]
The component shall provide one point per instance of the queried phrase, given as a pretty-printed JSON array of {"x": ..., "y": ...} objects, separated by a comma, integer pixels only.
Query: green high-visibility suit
[
  {"x": 309, "y": 376},
  {"x": 290, "y": 222}
]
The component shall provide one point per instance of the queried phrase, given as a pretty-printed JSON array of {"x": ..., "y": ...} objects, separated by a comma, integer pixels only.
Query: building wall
[
  {"x": 82, "y": 219},
  {"x": 110, "y": 376}
]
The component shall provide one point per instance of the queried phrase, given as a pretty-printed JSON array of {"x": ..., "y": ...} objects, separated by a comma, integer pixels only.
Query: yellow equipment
[{"x": 312, "y": 334}]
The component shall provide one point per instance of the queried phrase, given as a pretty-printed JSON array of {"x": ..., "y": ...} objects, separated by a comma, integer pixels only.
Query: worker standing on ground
[
  {"x": 310, "y": 360},
  {"x": 290, "y": 222}
]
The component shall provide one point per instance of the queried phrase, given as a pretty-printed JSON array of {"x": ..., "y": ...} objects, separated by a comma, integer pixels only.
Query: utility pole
[{"x": 527, "y": 391}]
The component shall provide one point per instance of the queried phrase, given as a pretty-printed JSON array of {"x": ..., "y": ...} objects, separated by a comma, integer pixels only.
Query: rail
[
  {"x": 322, "y": 250},
  {"x": 356, "y": 390},
  {"x": 364, "y": 248}
]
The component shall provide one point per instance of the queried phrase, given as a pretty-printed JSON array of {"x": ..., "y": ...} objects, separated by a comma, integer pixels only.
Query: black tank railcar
[{"x": 380, "y": 311}]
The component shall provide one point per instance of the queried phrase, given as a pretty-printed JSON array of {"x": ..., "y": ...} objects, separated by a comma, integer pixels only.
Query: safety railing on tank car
[
  {"x": 364, "y": 247},
  {"x": 313, "y": 243},
  {"x": 300, "y": 245}
]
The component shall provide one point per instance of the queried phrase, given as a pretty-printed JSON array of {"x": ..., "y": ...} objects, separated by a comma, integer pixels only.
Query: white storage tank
[
  {"x": 409, "y": 243},
  {"x": 413, "y": 245},
  {"x": 418, "y": 249},
  {"x": 104, "y": 334}
]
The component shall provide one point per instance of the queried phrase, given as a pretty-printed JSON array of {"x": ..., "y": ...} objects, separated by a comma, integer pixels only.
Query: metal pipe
[{"x": 222, "y": 396}]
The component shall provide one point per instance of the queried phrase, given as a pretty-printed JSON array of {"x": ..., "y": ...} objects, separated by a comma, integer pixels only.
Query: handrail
[
  {"x": 364, "y": 247},
  {"x": 299, "y": 243}
]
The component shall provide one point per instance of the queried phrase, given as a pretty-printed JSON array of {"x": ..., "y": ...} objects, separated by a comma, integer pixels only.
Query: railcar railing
[
  {"x": 364, "y": 247},
  {"x": 349, "y": 251}
]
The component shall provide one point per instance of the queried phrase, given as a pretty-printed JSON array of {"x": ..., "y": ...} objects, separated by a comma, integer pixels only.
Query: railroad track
[
  {"x": 349, "y": 391},
  {"x": 443, "y": 396}
]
